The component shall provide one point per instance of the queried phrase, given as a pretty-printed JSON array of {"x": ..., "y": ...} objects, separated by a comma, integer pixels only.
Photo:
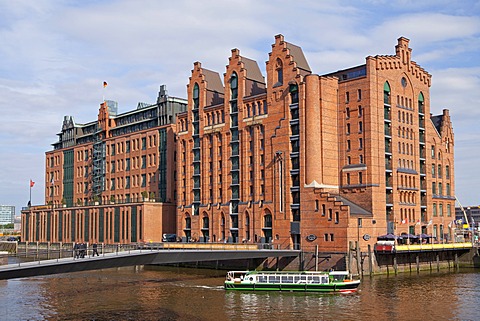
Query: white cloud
[{"x": 56, "y": 54}]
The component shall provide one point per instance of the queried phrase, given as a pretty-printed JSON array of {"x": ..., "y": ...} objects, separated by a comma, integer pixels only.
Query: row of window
[
  {"x": 349, "y": 144},
  {"x": 348, "y": 178},
  {"x": 406, "y": 133},
  {"x": 440, "y": 212},
  {"x": 359, "y": 96},
  {"x": 360, "y": 128},
  {"x": 55, "y": 160},
  {"x": 437, "y": 189},
  {"x": 348, "y": 112},
  {"x": 439, "y": 172},
  {"x": 404, "y": 102},
  {"x": 407, "y": 216}
]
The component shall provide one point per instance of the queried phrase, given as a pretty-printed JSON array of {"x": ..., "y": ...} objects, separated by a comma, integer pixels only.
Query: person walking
[
  {"x": 95, "y": 251},
  {"x": 76, "y": 249}
]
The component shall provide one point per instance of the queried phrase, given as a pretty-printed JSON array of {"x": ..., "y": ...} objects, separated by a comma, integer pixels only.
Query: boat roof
[{"x": 292, "y": 272}]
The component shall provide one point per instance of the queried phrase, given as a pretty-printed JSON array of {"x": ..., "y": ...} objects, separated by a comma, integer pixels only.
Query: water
[{"x": 192, "y": 294}]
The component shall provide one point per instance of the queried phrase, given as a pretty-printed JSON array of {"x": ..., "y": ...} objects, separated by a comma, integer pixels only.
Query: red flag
[
  {"x": 105, "y": 84},
  {"x": 32, "y": 183}
]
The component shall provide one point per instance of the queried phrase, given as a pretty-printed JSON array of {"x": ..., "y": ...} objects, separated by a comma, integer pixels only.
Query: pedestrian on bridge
[
  {"x": 76, "y": 249},
  {"x": 95, "y": 251}
]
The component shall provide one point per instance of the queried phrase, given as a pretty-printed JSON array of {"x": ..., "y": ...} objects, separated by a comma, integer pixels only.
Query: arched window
[
  {"x": 234, "y": 86},
  {"x": 421, "y": 106},
  {"x": 386, "y": 93},
  {"x": 294, "y": 93},
  {"x": 196, "y": 95},
  {"x": 267, "y": 227},
  {"x": 279, "y": 71},
  {"x": 247, "y": 227}
]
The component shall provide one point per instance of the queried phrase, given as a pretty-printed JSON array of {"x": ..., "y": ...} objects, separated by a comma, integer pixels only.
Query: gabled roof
[
  {"x": 437, "y": 122},
  {"x": 354, "y": 208},
  {"x": 298, "y": 56},
  {"x": 213, "y": 80},
  {"x": 253, "y": 71}
]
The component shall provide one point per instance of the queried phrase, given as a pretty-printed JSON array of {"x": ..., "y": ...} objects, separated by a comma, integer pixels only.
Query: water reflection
[{"x": 189, "y": 294}]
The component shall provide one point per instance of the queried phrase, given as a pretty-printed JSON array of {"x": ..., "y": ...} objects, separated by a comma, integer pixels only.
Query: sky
[{"x": 56, "y": 54}]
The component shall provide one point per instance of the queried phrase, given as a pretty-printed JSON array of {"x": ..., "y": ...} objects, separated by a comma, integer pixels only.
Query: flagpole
[{"x": 30, "y": 199}]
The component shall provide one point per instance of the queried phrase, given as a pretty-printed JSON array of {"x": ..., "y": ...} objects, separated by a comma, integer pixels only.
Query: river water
[{"x": 160, "y": 293}]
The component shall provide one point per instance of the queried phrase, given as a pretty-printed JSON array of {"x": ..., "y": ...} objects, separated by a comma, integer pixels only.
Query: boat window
[
  {"x": 262, "y": 278},
  {"x": 324, "y": 279},
  {"x": 274, "y": 279},
  {"x": 316, "y": 279},
  {"x": 338, "y": 278},
  {"x": 287, "y": 279}
]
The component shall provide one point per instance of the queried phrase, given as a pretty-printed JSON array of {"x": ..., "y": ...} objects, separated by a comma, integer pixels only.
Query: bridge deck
[{"x": 134, "y": 257}]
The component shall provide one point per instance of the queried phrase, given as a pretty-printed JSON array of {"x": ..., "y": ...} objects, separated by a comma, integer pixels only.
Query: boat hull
[{"x": 346, "y": 287}]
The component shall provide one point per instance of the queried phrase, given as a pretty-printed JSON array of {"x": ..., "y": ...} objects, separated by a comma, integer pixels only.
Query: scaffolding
[{"x": 98, "y": 165}]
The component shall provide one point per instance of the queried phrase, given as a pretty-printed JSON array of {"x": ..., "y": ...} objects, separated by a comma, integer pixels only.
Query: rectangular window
[
  {"x": 359, "y": 222},
  {"x": 359, "y": 93},
  {"x": 434, "y": 188},
  {"x": 144, "y": 143},
  {"x": 360, "y": 143},
  {"x": 144, "y": 161},
  {"x": 144, "y": 180},
  {"x": 347, "y": 97},
  {"x": 440, "y": 209},
  {"x": 360, "y": 127},
  {"x": 348, "y": 129},
  {"x": 112, "y": 149},
  {"x": 360, "y": 178},
  {"x": 331, "y": 237},
  {"x": 347, "y": 113},
  {"x": 434, "y": 209},
  {"x": 330, "y": 214},
  {"x": 337, "y": 217},
  {"x": 348, "y": 144},
  {"x": 127, "y": 144}
]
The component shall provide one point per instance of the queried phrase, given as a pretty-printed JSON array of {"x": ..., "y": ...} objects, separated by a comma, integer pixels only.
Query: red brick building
[
  {"x": 110, "y": 180},
  {"x": 302, "y": 160},
  {"x": 292, "y": 158}
]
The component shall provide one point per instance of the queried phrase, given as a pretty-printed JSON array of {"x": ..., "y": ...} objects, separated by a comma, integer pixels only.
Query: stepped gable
[
  {"x": 402, "y": 60},
  {"x": 294, "y": 55},
  {"x": 213, "y": 84},
  {"x": 255, "y": 83}
]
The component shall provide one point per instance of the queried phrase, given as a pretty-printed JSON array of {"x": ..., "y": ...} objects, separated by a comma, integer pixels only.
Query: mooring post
[
  {"x": 359, "y": 258},
  {"x": 395, "y": 266},
  {"x": 370, "y": 260},
  {"x": 438, "y": 262},
  {"x": 350, "y": 256},
  {"x": 316, "y": 257},
  {"x": 417, "y": 259}
]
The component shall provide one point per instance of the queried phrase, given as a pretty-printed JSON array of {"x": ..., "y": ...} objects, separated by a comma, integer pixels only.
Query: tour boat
[{"x": 301, "y": 281}]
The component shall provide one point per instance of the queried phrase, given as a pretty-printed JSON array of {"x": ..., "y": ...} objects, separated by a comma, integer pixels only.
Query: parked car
[
  {"x": 169, "y": 237},
  {"x": 12, "y": 239}
]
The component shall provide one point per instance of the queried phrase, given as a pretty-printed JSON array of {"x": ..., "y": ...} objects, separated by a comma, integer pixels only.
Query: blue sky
[{"x": 55, "y": 55}]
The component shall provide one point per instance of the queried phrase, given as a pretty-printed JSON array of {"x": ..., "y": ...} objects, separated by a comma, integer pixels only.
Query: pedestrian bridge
[{"x": 167, "y": 254}]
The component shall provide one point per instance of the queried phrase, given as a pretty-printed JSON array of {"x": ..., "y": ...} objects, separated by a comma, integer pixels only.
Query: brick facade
[{"x": 292, "y": 158}]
